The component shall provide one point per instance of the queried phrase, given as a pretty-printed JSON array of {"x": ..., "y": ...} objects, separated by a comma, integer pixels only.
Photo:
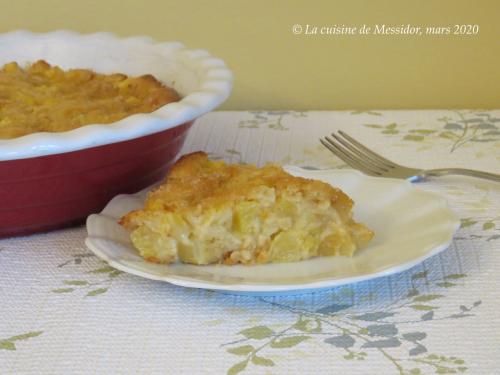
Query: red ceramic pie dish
[{"x": 52, "y": 180}]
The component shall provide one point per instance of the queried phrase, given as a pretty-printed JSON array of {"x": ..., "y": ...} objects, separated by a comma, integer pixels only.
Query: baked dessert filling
[
  {"x": 45, "y": 98},
  {"x": 212, "y": 212}
]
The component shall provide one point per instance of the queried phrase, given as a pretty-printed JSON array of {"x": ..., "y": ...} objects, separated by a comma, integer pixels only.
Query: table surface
[{"x": 63, "y": 311}]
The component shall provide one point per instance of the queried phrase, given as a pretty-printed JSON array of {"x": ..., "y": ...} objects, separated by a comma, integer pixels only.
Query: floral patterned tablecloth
[{"x": 63, "y": 311}]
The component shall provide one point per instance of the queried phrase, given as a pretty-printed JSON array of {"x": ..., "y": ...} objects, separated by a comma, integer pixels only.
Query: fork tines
[{"x": 357, "y": 155}]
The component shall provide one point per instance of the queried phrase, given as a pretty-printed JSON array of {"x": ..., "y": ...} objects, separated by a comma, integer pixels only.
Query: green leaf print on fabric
[
  {"x": 461, "y": 129},
  {"x": 63, "y": 290},
  {"x": 237, "y": 368},
  {"x": 96, "y": 292},
  {"x": 104, "y": 269},
  {"x": 7, "y": 345},
  {"x": 419, "y": 275},
  {"x": 75, "y": 282},
  {"x": 357, "y": 336},
  {"x": 258, "y": 332},
  {"x": 273, "y": 120},
  {"x": 373, "y": 113},
  {"x": 488, "y": 225},
  {"x": 445, "y": 284},
  {"x": 490, "y": 228},
  {"x": 288, "y": 342},
  {"x": 467, "y": 222},
  {"x": 427, "y": 297},
  {"x": 455, "y": 276},
  {"x": 308, "y": 325},
  {"x": 241, "y": 350},
  {"x": 93, "y": 282},
  {"x": 261, "y": 361},
  {"x": 10, "y": 343},
  {"x": 414, "y": 138}
]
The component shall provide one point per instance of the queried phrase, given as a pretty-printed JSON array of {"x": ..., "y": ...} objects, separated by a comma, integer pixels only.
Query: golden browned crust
[
  {"x": 208, "y": 211},
  {"x": 195, "y": 180},
  {"x": 45, "y": 98}
]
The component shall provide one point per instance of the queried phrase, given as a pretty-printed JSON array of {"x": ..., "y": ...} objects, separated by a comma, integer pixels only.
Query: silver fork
[{"x": 362, "y": 158}]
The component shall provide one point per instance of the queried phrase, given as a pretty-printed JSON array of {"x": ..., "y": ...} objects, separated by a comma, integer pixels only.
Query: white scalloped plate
[{"x": 410, "y": 226}]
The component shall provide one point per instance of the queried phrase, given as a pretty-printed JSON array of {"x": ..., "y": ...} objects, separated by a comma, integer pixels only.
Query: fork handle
[{"x": 462, "y": 172}]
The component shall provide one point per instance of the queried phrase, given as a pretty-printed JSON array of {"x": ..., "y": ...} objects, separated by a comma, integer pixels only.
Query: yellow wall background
[{"x": 275, "y": 69}]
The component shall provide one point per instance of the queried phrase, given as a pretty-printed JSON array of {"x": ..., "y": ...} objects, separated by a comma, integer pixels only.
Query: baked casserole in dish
[{"x": 45, "y": 98}]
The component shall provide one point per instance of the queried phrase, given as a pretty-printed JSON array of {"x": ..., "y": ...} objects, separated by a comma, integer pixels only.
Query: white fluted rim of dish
[{"x": 203, "y": 81}]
